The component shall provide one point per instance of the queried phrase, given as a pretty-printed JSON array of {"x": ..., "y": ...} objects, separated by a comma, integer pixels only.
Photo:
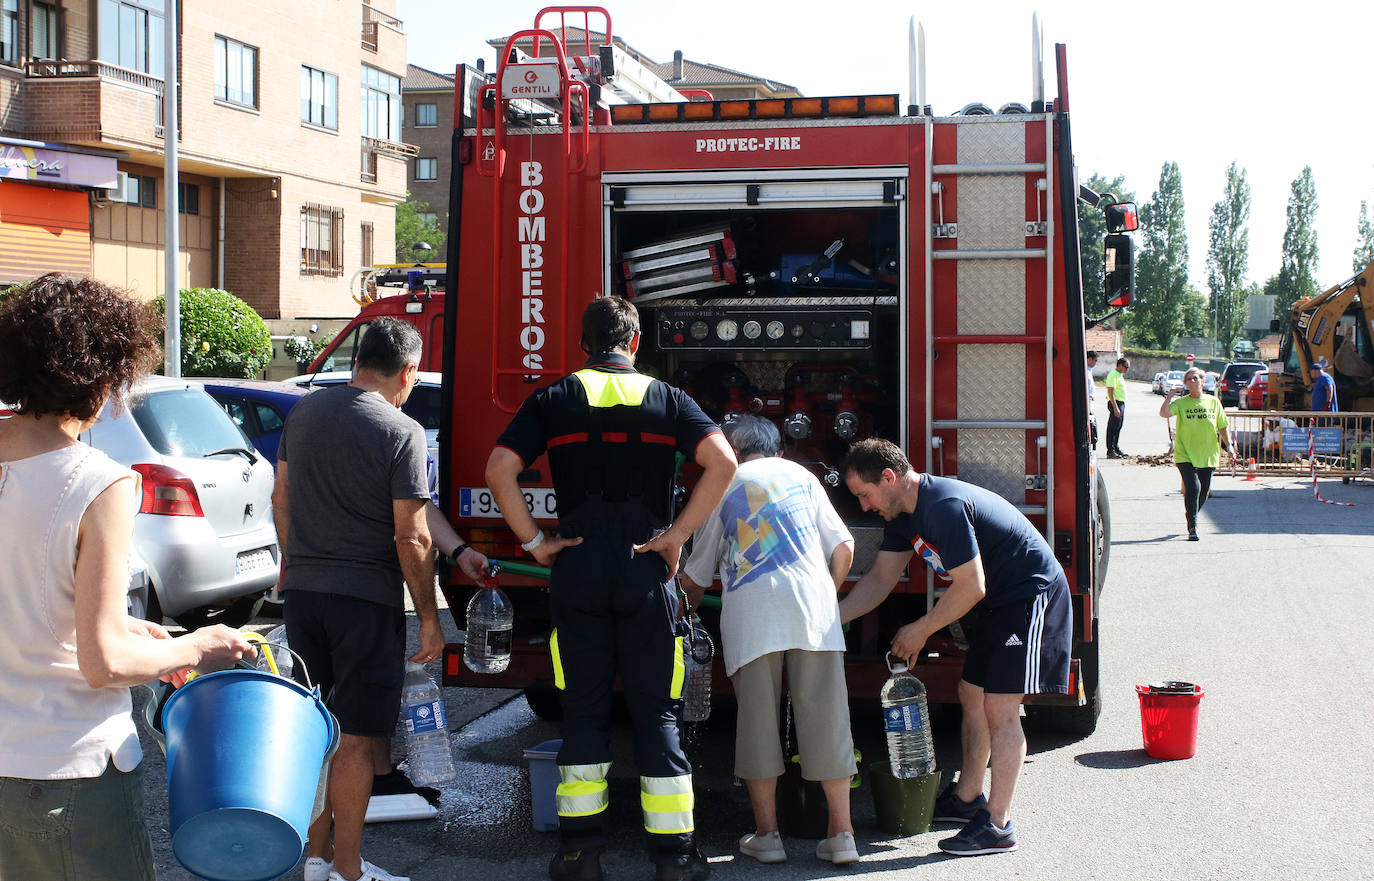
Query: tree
[
  {"x": 412, "y": 227},
  {"x": 1228, "y": 257},
  {"x": 1162, "y": 274},
  {"x": 220, "y": 335},
  {"x": 1297, "y": 275},
  {"x": 1364, "y": 248},
  {"x": 1196, "y": 318},
  {"x": 1092, "y": 228}
]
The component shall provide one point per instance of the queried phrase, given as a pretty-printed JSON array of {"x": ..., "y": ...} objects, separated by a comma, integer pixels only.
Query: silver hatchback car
[{"x": 204, "y": 526}]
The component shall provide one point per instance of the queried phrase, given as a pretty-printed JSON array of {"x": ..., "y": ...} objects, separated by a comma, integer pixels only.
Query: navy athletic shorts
[
  {"x": 1023, "y": 647},
  {"x": 355, "y": 652}
]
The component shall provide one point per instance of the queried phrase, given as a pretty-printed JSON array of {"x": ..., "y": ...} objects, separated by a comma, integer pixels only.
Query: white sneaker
[
  {"x": 318, "y": 869},
  {"x": 839, "y": 849},
  {"x": 765, "y": 848},
  {"x": 370, "y": 873}
]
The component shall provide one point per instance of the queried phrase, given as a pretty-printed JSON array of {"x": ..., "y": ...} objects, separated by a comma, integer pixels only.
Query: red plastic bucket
[{"x": 1168, "y": 718}]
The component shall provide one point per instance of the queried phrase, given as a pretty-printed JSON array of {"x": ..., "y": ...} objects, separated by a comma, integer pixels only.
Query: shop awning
[{"x": 43, "y": 229}]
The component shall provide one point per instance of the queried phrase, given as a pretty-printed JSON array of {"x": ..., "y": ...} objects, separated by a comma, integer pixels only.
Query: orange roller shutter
[{"x": 43, "y": 230}]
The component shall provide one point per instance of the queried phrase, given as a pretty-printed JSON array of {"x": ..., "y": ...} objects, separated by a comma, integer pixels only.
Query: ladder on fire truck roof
[
  {"x": 556, "y": 78},
  {"x": 995, "y": 251}
]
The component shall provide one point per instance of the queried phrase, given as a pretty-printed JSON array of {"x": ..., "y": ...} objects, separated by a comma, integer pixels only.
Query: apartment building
[
  {"x": 291, "y": 159},
  {"x": 428, "y": 124}
]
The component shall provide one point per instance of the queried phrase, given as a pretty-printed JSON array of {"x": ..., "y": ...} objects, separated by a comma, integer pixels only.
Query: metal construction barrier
[{"x": 1303, "y": 442}]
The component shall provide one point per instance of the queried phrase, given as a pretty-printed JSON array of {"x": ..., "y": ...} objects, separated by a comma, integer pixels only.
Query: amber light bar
[{"x": 761, "y": 108}]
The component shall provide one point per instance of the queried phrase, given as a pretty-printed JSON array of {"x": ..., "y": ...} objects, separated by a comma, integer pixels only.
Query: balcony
[
  {"x": 91, "y": 102},
  {"x": 384, "y": 165},
  {"x": 383, "y": 34}
]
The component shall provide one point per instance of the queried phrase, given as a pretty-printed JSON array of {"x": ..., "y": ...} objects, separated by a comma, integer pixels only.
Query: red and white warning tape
[{"x": 1312, "y": 465}]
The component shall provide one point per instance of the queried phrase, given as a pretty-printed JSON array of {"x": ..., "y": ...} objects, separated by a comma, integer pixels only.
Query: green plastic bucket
[{"x": 903, "y": 807}]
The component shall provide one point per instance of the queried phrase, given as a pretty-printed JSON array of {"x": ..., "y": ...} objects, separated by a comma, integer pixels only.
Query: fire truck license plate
[{"x": 479, "y": 502}]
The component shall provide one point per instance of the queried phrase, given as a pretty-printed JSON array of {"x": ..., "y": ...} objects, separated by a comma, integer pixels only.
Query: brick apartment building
[
  {"x": 291, "y": 157},
  {"x": 428, "y": 97}
]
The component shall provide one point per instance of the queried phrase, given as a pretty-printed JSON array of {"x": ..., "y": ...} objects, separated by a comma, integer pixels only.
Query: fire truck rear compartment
[{"x": 806, "y": 335}]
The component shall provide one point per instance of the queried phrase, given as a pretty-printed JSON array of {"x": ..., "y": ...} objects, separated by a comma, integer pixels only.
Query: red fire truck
[{"x": 835, "y": 264}]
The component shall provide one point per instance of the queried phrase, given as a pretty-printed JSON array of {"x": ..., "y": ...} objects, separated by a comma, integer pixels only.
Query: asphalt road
[{"x": 1268, "y": 612}]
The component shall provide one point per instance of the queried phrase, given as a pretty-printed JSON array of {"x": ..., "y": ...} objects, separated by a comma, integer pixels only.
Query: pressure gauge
[
  {"x": 727, "y": 329},
  {"x": 774, "y": 330},
  {"x": 699, "y": 330},
  {"x": 752, "y": 329}
]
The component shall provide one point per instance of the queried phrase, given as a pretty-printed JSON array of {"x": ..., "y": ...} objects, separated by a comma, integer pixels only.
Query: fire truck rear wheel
[
  {"x": 544, "y": 702},
  {"x": 1102, "y": 533},
  {"x": 1078, "y": 721}
]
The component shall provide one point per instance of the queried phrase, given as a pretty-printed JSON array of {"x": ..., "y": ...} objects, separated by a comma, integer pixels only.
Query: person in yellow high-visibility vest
[{"x": 612, "y": 436}]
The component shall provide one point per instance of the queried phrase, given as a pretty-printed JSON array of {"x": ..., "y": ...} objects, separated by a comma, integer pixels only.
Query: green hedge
[
  {"x": 1151, "y": 353},
  {"x": 220, "y": 335}
]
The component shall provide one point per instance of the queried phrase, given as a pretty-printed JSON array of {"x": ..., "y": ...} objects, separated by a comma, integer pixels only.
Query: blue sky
[{"x": 1196, "y": 83}]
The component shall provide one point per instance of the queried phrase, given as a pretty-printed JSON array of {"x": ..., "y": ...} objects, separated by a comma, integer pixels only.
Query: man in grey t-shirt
[{"x": 349, "y": 503}]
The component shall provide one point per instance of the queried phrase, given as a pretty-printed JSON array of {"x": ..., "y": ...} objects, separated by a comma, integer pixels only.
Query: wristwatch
[
  {"x": 458, "y": 549},
  {"x": 534, "y": 542}
]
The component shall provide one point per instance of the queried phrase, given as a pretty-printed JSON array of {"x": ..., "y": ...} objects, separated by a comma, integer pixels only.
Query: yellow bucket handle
[{"x": 258, "y": 639}]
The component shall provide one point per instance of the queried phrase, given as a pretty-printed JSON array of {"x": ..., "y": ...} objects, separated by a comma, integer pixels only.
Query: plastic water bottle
[
  {"x": 696, "y": 696},
  {"x": 490, "y": 624},
  {"x": 906, "y": 719},
  {"x": 429, "y": 759}
]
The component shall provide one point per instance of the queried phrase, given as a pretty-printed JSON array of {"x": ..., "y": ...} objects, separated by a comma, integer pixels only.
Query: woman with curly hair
[{"x": 71, "y": 804}]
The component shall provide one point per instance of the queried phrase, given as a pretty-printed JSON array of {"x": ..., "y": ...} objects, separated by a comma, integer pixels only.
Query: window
[
  {"x": 269, "y": 418},
  {"x": 426, "y": 114},
  {"x": 321, "y": 240},
  {"x": 381, "y": 105},
  {"x": 141, "y": 190},
  {"x": 236, "y": 72},
  {"x": 426, "y": 168},
  {"x": 188, "y": 198},
  {"x": 185, "y": 422},
  {"x": 427, "y": 218},
  {"x": 43, "y": 31},
  {"x": 319, "y": 98},
  {"x": 367, "y": 234},
  {"x": 131, "y": 34},
  {"x": 9, "y": 31}
]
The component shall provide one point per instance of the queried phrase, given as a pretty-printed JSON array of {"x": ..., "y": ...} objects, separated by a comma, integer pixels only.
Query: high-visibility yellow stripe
[
  {"x": 679, "y": 670},
  {"x": 558, "y": 680},
  {"x": 667, "y": 804},
  {"x": 614, "y": 389},
  {"x": 582, "y": 790}
]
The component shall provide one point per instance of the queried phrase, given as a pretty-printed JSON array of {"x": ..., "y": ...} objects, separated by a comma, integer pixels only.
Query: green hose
[{"x": 519, "y": 569}]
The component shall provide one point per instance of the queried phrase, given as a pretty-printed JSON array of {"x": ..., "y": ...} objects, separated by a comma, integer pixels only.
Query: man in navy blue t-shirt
[{"x": 985, "y": 552}]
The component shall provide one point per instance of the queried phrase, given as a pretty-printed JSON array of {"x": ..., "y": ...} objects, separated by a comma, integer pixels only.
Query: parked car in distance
[
  {"x": 1233, "y": 378},
  {"x": 1173, "y": 380},
  {"x": 1157, "y": 384},
  {"x": 204, "y": 525},
  {"x": 1252, "y": 396},
  {"x": 258, "y": 407},
  {"x": 422, "y": 405},
  {"x": 1209, "y": 382}
]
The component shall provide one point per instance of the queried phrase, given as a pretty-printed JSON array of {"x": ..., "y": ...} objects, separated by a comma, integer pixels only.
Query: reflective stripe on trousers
[
  {"x": 667, "y": 803},
  {"x": 582, "y": 790}
]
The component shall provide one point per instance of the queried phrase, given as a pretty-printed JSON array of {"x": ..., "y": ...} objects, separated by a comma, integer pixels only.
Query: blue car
[{"x": 258, "y": 407}]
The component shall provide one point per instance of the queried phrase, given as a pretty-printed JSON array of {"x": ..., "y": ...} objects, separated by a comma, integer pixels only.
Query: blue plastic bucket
[{"x": 245, "y": 751}]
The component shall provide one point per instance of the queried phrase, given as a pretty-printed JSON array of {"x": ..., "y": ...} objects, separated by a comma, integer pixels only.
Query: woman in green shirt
[{"x": 1199, "y": 438}]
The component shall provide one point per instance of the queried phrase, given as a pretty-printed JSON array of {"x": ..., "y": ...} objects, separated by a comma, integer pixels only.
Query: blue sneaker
[
  {"x": 950, "y": 808},
  {"x": 980, "y": 837}
]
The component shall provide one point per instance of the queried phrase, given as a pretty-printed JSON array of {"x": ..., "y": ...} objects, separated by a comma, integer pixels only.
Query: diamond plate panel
[
  {"x": 867, "y": 540},
  {"x": 991, "y": 206},
  {"x": 991, "y": 384},
  {"x": 994, "y": 459},
  {"x": 992, "y": 296},
  {"x": 986, "y": 143}
]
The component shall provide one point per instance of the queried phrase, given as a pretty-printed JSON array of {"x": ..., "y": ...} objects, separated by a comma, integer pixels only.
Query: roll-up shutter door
[{"x": 43, "y": 230}]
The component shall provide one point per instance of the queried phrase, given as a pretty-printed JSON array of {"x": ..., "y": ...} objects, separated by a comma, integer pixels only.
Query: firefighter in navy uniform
[{"x": 612, "y": 436}]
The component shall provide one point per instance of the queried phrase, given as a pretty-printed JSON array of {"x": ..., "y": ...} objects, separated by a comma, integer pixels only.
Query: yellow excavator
[{"x": 1335, "y": 327}]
